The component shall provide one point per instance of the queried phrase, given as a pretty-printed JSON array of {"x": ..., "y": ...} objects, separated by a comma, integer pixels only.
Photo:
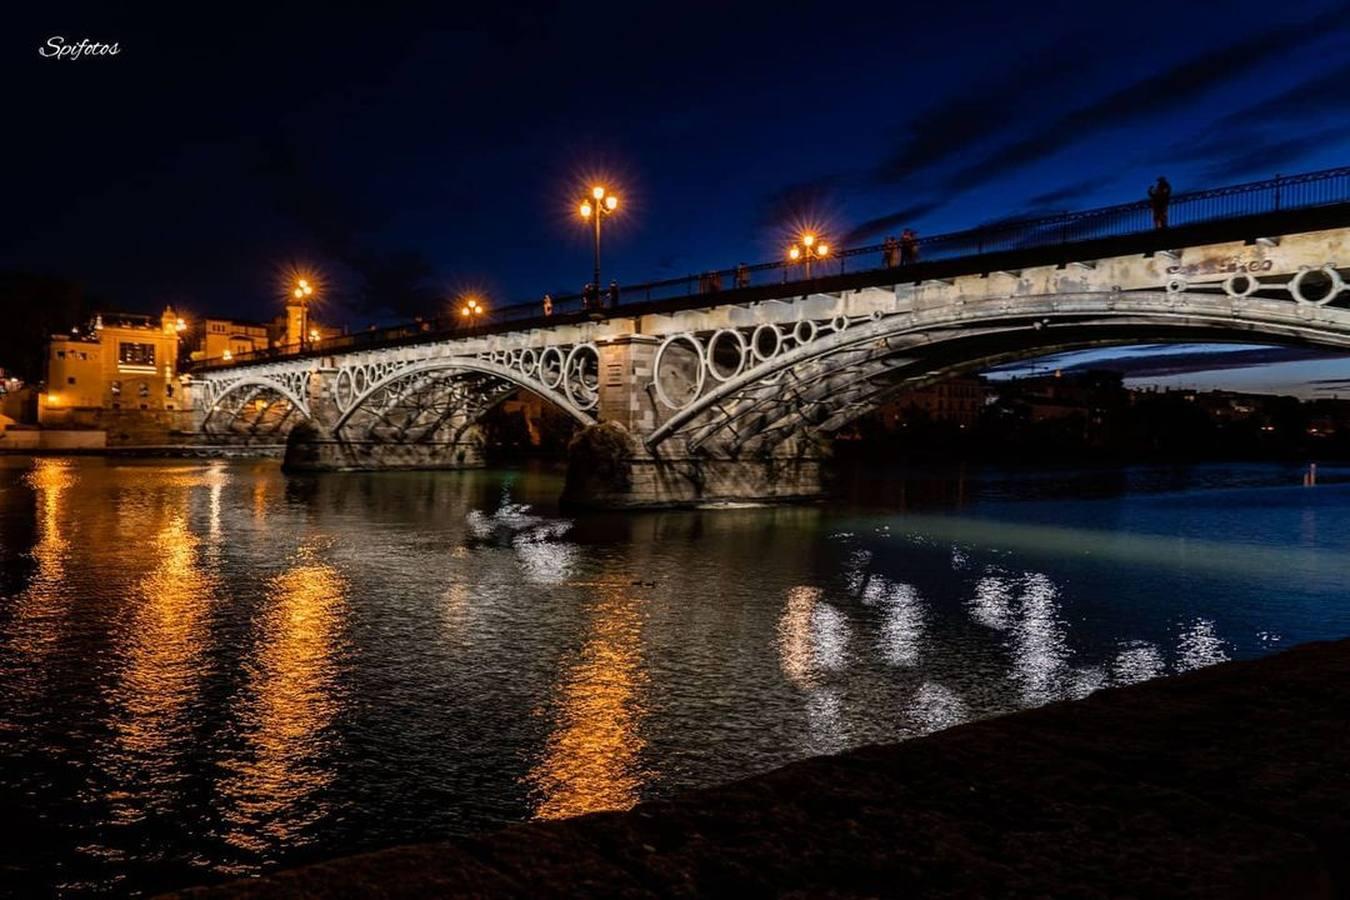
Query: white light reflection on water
[
  {"x": 991, "y": 603},
  {"x": 813, "y": 639},
  {"x": 1040, "y": 650},
  {"x": 1200, "y": 646},
  {"x": 936, "y": 707},
  {"x": 902, "y": 627},
  {"x": 1137, "y": 661}
]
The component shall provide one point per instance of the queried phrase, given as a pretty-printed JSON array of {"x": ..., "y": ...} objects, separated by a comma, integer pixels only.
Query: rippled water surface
[{"x": 208, "y": 669}]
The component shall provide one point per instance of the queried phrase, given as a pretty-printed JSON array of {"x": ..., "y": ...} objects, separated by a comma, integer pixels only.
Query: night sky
[{"x": 408, "y": 156}]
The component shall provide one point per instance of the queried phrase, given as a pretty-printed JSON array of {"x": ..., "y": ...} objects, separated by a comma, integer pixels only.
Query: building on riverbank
[
  {"x": 224, "y": 339},
  {"x": 214, "y": 338},
  {"x": 118, "y": 374}
]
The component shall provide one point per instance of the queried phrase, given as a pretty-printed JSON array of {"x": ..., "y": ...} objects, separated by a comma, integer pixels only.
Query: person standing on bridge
[
  {"x": 1159, "y": 196},
  {"x": 548, "y": 304},
  {"x": 890, "y": 253},
  {"x": 613, "y": 293},
  {"x": 742, "y": 275},
  {"x": 909, "y": 247}
]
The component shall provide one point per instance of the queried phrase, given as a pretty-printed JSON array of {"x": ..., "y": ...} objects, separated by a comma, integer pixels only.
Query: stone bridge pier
[{"x": 610, "y": 464}]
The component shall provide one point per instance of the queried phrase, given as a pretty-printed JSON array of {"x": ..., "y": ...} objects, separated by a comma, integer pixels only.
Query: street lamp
[
  {"x": 471, "y": 310},
  {"x": 594, "y": 208},
  {"x": 302, "y": 291},
  {"x": 808, "y": 248}
]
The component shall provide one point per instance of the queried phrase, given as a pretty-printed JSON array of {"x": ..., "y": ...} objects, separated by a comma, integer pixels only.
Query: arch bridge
[{"x": 734, "y": 395}]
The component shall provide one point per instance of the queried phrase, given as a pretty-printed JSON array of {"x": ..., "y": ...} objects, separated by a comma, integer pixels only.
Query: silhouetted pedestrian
[
  {"x": 613, "y": 294},
  {"x": 586, "y": 296},
  {"x": 909, "y": 247},
  {"x": 1159, "y": 196},
  {"x": 742, "y": 275},
  {"x": 548, "y": 305},
  {"x": 890, "y": 253}
]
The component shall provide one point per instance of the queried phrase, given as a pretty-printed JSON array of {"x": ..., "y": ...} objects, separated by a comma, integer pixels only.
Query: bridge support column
[
  {"x": 316, "y": 445},
  {"x": 609, "y": 466}
]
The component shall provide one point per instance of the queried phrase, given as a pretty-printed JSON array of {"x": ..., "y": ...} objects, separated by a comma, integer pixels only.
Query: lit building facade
[
  {"x": 225, "y": 338},
  {"x": 118, "y": 364}
]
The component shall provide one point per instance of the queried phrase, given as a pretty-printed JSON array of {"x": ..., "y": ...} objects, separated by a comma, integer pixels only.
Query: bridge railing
[{"x": 1277, "y": 194}]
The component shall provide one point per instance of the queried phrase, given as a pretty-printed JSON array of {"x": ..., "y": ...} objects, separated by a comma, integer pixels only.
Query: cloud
[
  {"x": 1257, "y": 139},
  {"x": 1325, "y": 95},
  {"x": 803, "y": 201},
  {"x": 1072, "y": 191},
  {"x": 1159, "y": 360},
  {"x": 1174, "y": 87},
  {"x": 963, "y": 120},
  {"x": 398, "y": 280},
  {"x": 899, "y": 219},
  {"x": 1261, "y": 155}
]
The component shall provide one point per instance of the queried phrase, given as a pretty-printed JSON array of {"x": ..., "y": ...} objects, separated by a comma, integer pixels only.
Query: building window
[
  {"x": 116, "y": 388},
  {"x": 60, "y": 354},
  {"x": 136, "y": 354},
  {"x": 168, "y": 390},
  {"x": 70, "y": 379},
  {"x": 143, "y": 390}
]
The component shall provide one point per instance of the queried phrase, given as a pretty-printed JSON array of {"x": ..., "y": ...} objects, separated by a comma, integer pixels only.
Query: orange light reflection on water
[
  {"x": 165, "y": 645},
  {"x": 39, "y": 608},
  {"x": 592, "y": 759},
  {"x": 290, "y": 700}
]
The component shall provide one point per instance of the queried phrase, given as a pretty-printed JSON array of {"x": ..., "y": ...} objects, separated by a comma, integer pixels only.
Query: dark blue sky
[{"x": 222, "y": 144}]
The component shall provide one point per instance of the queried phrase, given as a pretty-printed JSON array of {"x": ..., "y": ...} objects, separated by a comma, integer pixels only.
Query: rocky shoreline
[{"x": 1232, "y": 781}]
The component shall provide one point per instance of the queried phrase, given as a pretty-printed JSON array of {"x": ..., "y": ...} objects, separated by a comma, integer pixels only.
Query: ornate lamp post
[
  {"x": 599, "y": 204},
  {"x": 299, "y": 320},
  {"x": 808, "y": 248},
  {"x": 471, "y": 310}
]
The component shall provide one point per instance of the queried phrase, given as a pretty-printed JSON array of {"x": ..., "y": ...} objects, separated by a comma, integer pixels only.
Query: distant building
[
  {"x": 225, "y": 339},
  {"x": 120, "y": 373},
  {"x": 219, "y": 338},
  {"x": 16, "y": 401},
  {"x": 958, "y": 400}
]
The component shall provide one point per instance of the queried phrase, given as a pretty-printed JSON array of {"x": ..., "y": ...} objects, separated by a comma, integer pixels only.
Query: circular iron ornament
[
  {"x": 804, "y": 332},
  {"x": 756, "y": 340},
  {"x": 839, "y": 323},
  {"x": 1230, "y": 284},
  {"x": 700, "y": 366},
  {"x": 1176, "y": 285},
  {"x": 573, "y": 367},
  {"x": 528, "y": 362},
  {"x": 742, "y": 351},
  {"x": 1336, "y": 286},
  {"x": 344, "y": 390},
  {"x": 552, "y": 367}
]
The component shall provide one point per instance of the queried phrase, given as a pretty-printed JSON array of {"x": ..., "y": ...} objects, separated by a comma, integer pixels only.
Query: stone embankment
[{"x": 1232, "y": 781}]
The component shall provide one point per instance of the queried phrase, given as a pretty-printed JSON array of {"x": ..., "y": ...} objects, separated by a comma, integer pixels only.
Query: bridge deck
[{"x": 527, "y": 317}]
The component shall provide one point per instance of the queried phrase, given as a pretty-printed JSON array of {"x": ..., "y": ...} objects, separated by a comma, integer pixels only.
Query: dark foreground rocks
[{"x": 1232, "y": 781}]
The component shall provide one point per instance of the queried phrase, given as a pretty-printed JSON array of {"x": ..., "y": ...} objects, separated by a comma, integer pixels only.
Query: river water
[{"x": 208, "y": 669}]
